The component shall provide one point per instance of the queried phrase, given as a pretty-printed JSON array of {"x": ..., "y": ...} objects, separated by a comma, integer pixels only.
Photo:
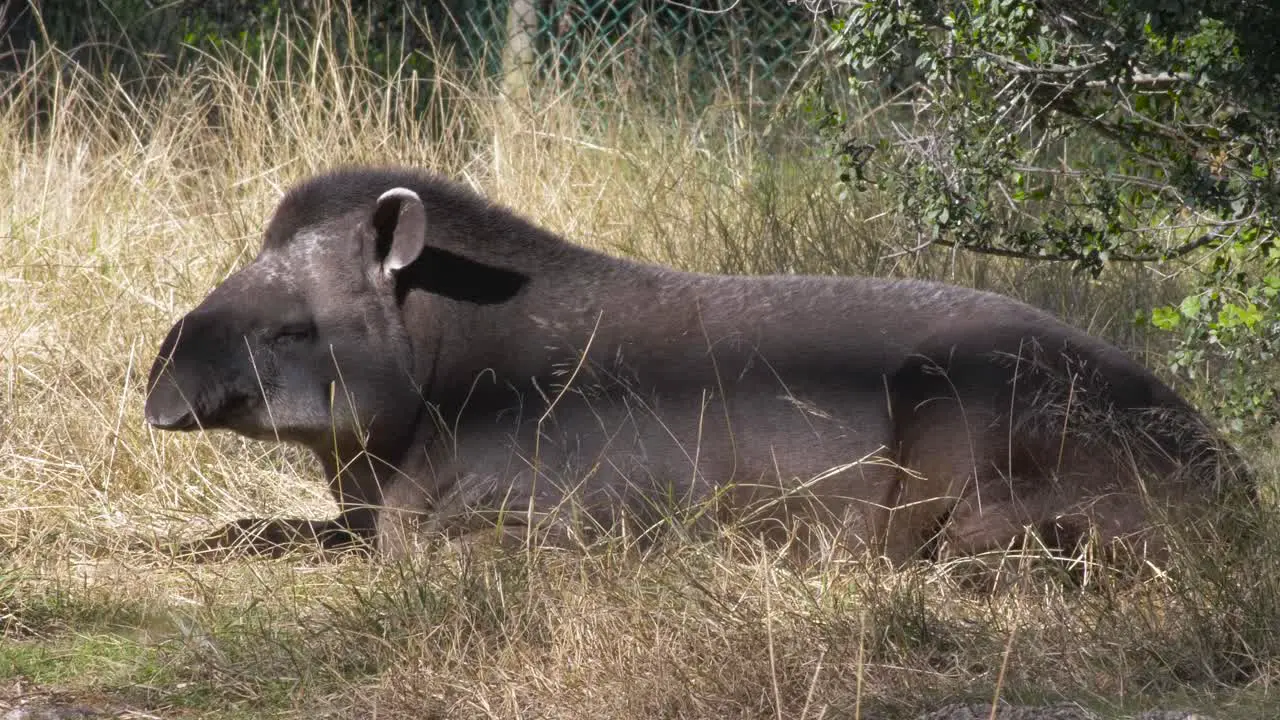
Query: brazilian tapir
[{"x": 448, "y": 361}]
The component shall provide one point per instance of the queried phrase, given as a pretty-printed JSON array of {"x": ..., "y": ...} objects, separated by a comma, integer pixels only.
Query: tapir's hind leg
[
  {"x": 944, "y": 451},
  {"x": 992, "y": 519}
]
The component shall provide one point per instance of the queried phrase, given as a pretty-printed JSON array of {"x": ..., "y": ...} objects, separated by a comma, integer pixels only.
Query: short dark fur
[{"x": 505, "y": 368}]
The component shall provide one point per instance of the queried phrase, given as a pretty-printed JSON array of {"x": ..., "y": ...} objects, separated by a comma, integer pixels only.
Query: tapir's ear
[{"x": 400, "y": 227}]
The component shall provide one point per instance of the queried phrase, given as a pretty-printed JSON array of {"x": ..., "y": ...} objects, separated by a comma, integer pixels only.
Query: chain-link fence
[
  {"x": 705, "y": 43},
  {"x": 760, "y": 42}
]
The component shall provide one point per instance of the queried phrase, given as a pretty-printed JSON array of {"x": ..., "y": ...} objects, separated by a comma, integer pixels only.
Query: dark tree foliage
[
  {"x": 1094, "y": 132},
  {"x": 135, "y": 38}
]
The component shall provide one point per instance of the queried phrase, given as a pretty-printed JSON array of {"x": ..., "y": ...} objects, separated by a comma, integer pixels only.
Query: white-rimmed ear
[{"x": 400, "y": 224}]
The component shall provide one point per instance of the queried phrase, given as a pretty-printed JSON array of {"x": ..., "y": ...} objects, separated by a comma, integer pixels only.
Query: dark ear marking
[
  {"x": 400, "y": 226},
  {"x": 459, "y": 278}
]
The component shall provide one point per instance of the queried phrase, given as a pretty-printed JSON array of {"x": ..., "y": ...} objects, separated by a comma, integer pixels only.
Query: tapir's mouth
[
  {"x": 184, "y": 422},
  {"x": 168, "y": 416},
  {"x": 171, "y": 414},
  {"x": 169, "y": 408}
]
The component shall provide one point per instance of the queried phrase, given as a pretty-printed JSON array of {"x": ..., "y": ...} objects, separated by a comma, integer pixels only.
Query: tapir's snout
[
  {"x": 167, "y": 406},
  {"x": 196, "y": 380},
  {"x": 229, "y": 365}
]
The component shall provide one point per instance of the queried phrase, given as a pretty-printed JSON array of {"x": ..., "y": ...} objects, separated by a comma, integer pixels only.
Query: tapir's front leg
[
  {"x": 399, "y": 520},
  {"x": 358, "y": 490},
  {"x": 358, "y": 494},
  {"x": 274, "y": 537},
  {"x": 475, "y": 511}
]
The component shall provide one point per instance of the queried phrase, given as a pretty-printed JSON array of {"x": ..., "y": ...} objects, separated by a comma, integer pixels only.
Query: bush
[{"x": 1093, "y": 132}]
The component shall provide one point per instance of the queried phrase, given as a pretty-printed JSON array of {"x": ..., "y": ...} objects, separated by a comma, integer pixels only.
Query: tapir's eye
[{"x": 294, "y": 332}]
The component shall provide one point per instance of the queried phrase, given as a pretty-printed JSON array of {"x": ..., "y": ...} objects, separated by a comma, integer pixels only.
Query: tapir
[{"x": 455, "y": 367}]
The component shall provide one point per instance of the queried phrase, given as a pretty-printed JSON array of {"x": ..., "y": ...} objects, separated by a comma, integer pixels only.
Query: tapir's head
[{"x": 309, "y": 341}]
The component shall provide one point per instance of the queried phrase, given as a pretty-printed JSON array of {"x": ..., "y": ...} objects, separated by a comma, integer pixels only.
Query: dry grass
[{"x": 122, "y": 208}]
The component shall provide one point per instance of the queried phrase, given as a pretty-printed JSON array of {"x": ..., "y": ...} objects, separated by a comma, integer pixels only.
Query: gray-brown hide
[{"x": 446, "y": 359}]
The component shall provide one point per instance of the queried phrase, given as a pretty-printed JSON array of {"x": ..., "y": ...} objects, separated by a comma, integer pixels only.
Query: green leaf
[
  {"x": 1165, "y": 318},
  {"x": 1232, "y": 315},
  {"x": 1190, "y": 307}
]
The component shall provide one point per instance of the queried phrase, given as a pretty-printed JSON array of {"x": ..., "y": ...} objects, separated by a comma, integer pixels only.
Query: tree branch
[{"x": 1173, "y": 253}]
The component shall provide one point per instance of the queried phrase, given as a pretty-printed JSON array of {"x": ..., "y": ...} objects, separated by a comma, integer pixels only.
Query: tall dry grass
[{"x": 122, "y": 207}]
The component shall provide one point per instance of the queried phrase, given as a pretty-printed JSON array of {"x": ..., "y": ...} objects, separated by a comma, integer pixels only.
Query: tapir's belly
[{"x": 605, "y": 454}]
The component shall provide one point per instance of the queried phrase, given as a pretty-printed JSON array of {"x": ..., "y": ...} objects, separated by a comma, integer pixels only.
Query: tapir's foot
[{"x": 274, "y": 538}]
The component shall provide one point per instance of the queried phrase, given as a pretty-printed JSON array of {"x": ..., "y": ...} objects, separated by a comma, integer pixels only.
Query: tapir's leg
[
  {"x": 358, "y": 490},
  {"x": 472, "y": 505},
  {"x": 943, "y": 451},
  {"x": 273, "y": 537},
  {"x": 359, "y": 496},
  {"x": 1046, "y": 496},
  {"x": 399, "y": 521},
  {"x": 963, "y": 493},
  {"x": 1002, "y": 515}
]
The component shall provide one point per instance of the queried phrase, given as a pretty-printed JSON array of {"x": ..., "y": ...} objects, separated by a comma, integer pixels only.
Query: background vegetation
[
  {"x": 138, "y": 174},
  {"x": 1094, "y": 132}
]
